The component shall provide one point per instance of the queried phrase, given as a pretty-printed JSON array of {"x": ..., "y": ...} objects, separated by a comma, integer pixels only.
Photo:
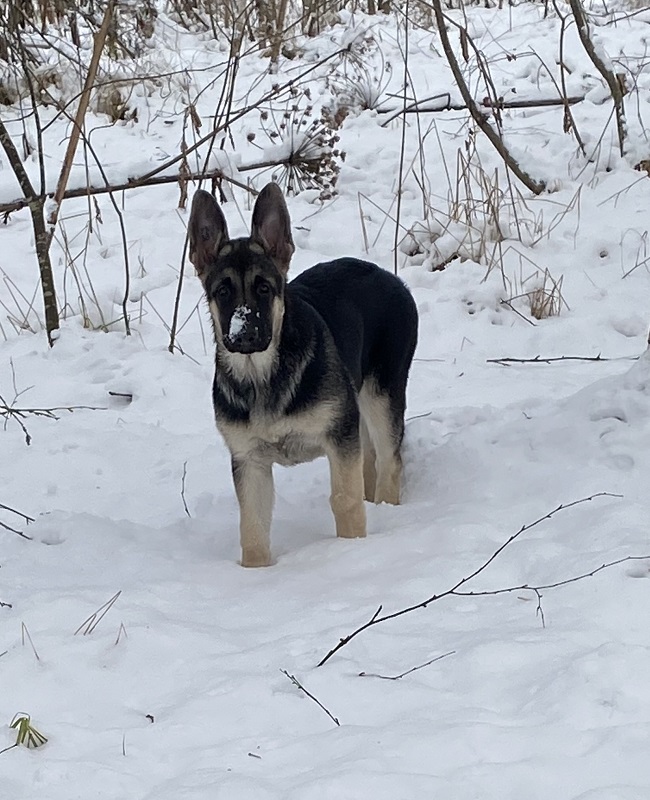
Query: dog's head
[{"x": 244, "y": 279}]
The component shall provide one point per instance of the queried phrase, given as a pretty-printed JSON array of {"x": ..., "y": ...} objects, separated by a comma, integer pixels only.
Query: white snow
[
  {"x": 178, "y": 693},
  {"x": 238, "y": 321}
]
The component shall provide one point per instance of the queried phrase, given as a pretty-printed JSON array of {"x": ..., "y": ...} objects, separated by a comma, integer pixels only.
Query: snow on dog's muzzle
[{"x": 244, "y": 333}]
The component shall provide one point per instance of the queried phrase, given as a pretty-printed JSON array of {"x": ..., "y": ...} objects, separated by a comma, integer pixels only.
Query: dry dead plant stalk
[
  {"x": 536, "y": 187},
  {"x": 78, "y": 122},
  {"x": 36, "y": 205},
  {"x": 616, "y": 83},
  {"x": 545, "y": 298}
]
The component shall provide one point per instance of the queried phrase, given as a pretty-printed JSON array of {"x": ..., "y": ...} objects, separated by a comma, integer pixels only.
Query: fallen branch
[
  {"x": 377, "y": 618},
  {"x": 135, "y": 183},
  {"x": 422, "y": 107},
  {"x": 297, "y": 683},
  {"x": 18, "y": 414},
  {"x": 45, "y": 412},
  {"x": 160, "y": 180},
  {"x": 540, "y": 360}
]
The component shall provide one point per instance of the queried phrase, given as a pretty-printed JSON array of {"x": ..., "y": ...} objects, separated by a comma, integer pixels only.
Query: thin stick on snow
[
  {"x": 187, "y": 511},
  {"x": 26, "y": 517},
  {"x": 15, "y": 530},
  {"x": 378, "y": 618},
  {"x": 4, "y": 605},
  {"x": 408, "y": 671},
  {"x": 18, "y": 414},
  {"x": 539, "y": 360},
  {"x": 91, "y": 622},
  {"x": 297, "y": 683}
]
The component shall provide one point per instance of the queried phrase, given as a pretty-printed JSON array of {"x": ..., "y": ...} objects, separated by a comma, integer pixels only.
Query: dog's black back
[{"x": 370, "y": 313}]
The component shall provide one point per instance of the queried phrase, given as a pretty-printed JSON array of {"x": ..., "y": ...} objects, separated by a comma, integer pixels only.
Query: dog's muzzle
[{"x": 245, "y": 334}]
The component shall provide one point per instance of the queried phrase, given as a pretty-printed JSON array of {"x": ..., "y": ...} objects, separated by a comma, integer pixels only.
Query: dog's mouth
[{"x": 245, "y": 347}]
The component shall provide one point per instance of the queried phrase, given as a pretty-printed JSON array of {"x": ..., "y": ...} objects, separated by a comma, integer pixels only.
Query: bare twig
[
  {"x": 408, "y": 671},
  {"x": 297, "y": 683},
  {"x": 15, "y": 530},
  {"x": 18, "y": 414},
  {"x": 135, "y": 183},
  {"x": 376, "y": 619},
  {"x": 26, "y": 517},
  {"x": 45, "y": 412},
  {"x": 540, "y": 360},
  {"x": 187, "y": 511}
]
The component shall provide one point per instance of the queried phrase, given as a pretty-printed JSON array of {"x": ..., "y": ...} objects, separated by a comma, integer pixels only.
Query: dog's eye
[
  {"x": 263, "y": 287},
  {"x": 223, "y": 291}
]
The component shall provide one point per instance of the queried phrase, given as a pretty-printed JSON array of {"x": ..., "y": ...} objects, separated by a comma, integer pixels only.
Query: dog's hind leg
[
  {"x": 384, "y": 419},
  {"x": 346, "y": 474},
  {"x": 369, "y": 460},
  {"x": 254, "y": 487}
]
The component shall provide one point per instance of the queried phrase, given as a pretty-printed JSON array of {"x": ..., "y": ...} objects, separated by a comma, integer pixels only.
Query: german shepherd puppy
[{"x": 313, "y": 367}]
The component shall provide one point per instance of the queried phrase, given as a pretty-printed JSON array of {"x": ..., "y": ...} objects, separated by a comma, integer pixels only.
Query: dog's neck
[{"x": 250, "y": 368}]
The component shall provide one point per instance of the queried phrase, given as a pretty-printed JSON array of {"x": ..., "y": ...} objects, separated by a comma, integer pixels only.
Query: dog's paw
[{"x": 256, "y": 557}]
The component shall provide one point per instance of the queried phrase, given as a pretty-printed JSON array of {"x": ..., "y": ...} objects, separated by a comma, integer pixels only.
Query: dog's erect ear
[
  {"x": 271, "y": 226},
  {"x": 207, "y": 230}
]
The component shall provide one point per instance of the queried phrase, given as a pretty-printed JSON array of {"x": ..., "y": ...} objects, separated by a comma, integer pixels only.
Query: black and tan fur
[{"x": 313, "y": 367}]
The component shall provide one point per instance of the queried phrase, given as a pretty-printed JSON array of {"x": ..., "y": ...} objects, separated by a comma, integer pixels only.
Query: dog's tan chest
[{"x": 286, "y": 441}]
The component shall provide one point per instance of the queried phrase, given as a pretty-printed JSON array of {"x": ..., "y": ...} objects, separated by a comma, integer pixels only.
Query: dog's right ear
[
  {"x": 271, "y": 226},
  {"x": 207, "y": 230}
]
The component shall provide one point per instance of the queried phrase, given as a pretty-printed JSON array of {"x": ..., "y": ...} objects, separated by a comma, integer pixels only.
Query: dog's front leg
[
  {"x": 254, "y": 487},
  {"x": 346, "y": 474}
]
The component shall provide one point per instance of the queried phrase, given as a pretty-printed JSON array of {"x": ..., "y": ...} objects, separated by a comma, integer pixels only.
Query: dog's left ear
[
  {"x": 271, "y": 226},
  {"x": 207, "y": 230}
]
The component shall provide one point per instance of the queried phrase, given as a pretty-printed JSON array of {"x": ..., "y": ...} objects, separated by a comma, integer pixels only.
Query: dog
[{"x": 317, "y": 366}]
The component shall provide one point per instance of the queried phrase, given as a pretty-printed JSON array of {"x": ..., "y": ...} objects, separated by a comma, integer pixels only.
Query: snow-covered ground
[{"x": 178, "y": 693}]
